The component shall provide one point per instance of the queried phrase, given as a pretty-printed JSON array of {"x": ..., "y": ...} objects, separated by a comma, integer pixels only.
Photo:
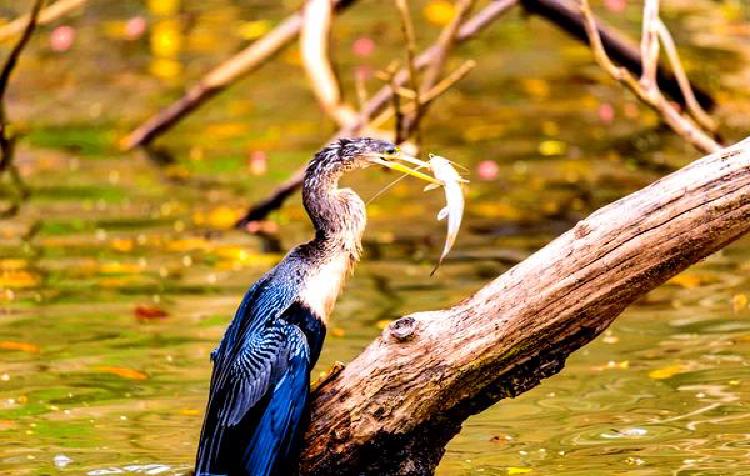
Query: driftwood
[{"x": 393, "y": 409}]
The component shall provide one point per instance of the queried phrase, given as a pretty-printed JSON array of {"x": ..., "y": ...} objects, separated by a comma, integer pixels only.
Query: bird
[{"x": 259, "y": 393}]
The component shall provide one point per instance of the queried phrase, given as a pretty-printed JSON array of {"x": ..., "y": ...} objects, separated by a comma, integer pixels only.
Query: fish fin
[
  {"x": 431, "y": 186},
  {"x": 442, "y": 213}
]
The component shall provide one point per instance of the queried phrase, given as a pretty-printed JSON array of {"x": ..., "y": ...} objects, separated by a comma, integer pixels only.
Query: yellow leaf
[
  {"x": 22, "y": 346},
  {"x": 122, "y": 244},
  {"x": 552, "y": 147},
  {"x": 163, "y": 7},
  {"x": 12, "y": 264},
  {"x": 223, "y": 217},
  {"x": 739, "y": 302},
  {"x": 165, "y": 38},
  {"x": 18, "y": 279},
  {"x": 115, "y": 267},
  {"x": 518, "y": 470},
  {"x": 189, "y": 244},
  {"x": 538, "y": 88},
  {"x": 251, "y": 30},
  {"x": 686, "y": 280},
  {"x": 439, "y": 12},
  {"x": 667, "y": 372},
  {"x": 165, "y": 68},
  {"x": 122, "y": 372}
]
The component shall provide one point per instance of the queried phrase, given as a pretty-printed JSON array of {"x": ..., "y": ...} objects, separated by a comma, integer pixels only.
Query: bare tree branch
[
  {"x": 567, "y": 15},
  {"x": 7, "y": 139},
  {"x": 434, "y": 69},
  {"x": 315, "y": 48},
  {"x": 650, "y": 95},
  {"x": 221, "y": 77},
  {"x": 377, "y": 103},
  {"x": 407, "y": 27},
  {"x": 693, "y": 107},
  {"x": 46, "y": 16}
]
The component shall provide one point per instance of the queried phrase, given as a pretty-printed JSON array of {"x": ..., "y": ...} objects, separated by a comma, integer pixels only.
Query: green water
[{"x": 93, "y": 382}]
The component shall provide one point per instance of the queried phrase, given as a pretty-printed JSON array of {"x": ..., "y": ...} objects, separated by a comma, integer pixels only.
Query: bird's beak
[{"x": 388, "y": 161}]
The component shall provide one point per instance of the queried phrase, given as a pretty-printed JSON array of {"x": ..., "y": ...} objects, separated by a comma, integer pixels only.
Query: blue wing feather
[
  {"x": 260, "y": 384},
  {"x": 272, "y": 448}
]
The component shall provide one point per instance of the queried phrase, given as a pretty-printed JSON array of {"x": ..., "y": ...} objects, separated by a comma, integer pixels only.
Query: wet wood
[{"x": 392, "y": 410}]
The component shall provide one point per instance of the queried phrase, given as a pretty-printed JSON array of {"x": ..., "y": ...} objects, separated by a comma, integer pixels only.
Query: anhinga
[{"x": 260, "y": 382}]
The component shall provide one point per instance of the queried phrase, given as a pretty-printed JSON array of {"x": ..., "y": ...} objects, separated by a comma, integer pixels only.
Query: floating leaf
[
  {"x": 667, "y": 372},
  {"x": 20, "y": 346},
  {"x": 739, "y": 302},
  {"x": 223, "y": 217},
  {"x": 518, "y": 470},
  {"x": 123, "y": 372},
  {"x": 122, "y": 244},
  {"x": 149, "y": 313},
  {"x": 686, "y": 280},
  {"x": 552, "y": 147},
  {"x": 18, "y": 279}
]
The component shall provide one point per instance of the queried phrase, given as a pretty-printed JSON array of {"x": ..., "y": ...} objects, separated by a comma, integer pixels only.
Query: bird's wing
[
  {"x": 273, "y": 447},
  {"x": 241, "y": 391}
]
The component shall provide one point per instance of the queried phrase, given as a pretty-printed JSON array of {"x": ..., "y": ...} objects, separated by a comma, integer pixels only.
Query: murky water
[{"x": 118, "y": 276}]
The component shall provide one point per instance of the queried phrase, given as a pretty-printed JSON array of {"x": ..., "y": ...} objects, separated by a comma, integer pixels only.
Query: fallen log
[{"x": 393, "y": 409}]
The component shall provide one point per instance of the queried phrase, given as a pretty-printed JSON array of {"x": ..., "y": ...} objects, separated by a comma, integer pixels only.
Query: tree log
[{"x": 393, "y": 409}]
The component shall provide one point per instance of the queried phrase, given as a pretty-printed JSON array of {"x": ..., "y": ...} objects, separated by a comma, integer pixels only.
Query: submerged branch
[{"x": 393, "y": 409}]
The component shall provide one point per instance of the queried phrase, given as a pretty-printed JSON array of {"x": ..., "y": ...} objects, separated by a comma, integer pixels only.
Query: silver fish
[{"x": 454, "y": 198}]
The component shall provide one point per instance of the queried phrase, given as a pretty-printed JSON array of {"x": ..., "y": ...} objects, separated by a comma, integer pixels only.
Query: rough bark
[{"x": 393, "y": 409}]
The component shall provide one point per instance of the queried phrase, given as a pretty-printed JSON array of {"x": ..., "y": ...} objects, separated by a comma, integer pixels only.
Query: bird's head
[
  {"x": 347, "y": 154},
  {"x": 340, "y": 212}
]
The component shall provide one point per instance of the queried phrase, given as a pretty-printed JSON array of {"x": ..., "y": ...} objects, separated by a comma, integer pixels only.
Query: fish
[{"x": 451, "y": 181}]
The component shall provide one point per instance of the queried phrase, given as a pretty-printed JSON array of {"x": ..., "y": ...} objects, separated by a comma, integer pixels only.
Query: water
[{"x": 118, "y": 276}]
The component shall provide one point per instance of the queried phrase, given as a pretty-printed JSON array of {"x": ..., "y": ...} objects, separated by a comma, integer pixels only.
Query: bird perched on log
[{"x": 258, "y": 399}]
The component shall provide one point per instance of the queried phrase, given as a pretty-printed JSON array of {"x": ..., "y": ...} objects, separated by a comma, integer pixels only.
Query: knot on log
[{"x": 402, "y": 330}]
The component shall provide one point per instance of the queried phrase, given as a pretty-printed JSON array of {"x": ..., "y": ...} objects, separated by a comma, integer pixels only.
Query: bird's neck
[{"x": 338, "y": 215}]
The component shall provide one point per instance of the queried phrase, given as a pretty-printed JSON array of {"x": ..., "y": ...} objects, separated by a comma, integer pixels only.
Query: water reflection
[{"x": 118, "y": 277}]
